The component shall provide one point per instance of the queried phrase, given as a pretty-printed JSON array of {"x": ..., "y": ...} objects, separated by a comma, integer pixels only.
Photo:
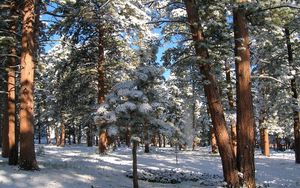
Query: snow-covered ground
[{"x": 80, "y": 167}]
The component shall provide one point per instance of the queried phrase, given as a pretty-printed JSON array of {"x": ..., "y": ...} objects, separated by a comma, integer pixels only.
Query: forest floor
[{"x": 81, "y": 167}]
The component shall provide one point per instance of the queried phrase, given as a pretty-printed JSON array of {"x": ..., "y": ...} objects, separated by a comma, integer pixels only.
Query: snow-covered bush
[{"x": 177, "y": 176}]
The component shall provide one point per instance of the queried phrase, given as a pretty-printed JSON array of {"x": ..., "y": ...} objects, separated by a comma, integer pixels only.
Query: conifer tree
[
  {"x": 245, "y": 116},
  {"x": 27, "y": 152}
]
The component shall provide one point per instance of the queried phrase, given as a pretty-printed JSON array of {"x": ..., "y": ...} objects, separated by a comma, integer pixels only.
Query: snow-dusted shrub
[{"x": 177, "y": 176}]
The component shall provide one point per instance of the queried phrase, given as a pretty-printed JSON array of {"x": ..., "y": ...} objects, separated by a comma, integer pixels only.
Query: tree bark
[
  {"x": 4, "y": 121},
  {"x": 146, "y": 138},
  {"x": 295, "y": 97},
  {"x": 89, "y": 138},
  {"x": 127, "y": 136},
  {"x": 103, "y": 141},
  {"x": 103, "y": 138},
  {"x": 159, "y": 140},
  {"x": 213, "y": 141},
  {"x": 134, "y": 165},
  {"x": 27, "y": 153},
  {"x": 214, "y": 102},
  {"x": 48, "y": 132},
  {"x": 11, "y": 89},
  {"x": 79, "y": 135},
  {"x": 245, "y": 117},
  {"x": 231, "y": 108},
  {"x": 265, "y": 144},
  {"x": 57, "y": 139},
  {"x": 62, "y": 141}
]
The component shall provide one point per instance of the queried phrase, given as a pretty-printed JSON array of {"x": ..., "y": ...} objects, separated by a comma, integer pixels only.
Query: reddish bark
[
  {"x": 103, "y": 142},
  {"x": 62, "y": 141},
  {"x": 27, "y": 152},
  {"x": 233, "y": 135},
  {"x": 264, "y": 139},
  {"x": 11, "y": 106},
  {"x": 245, "y": 117},
  {"x": 213, "y": 141}
]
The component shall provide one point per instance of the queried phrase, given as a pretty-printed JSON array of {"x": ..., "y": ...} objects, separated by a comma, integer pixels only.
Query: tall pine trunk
[
  {"x": 11, "y": 89},
  {"x": 4, "y": 120},
  {"x": 214, "y": 102},
  {"x": 134, "y": 165},
  {"x": 245, "y": 117},
  {"x": 264, "y": 141},
  {"x": 89, "y": 137},
  {"x": 62, "y": 141},
  {"x": 27, "y": 153},
  {"x": 295, "y": 97},
  {"x": 229, "y": 93},
  {"x": 103, "y": 136}
]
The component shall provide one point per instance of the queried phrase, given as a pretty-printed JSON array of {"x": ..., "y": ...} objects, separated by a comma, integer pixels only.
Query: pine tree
[
  {"x": 27, "y": 152},
  {"x": 245, "y": 117},
  {"x": 11, "y": 88},
  {"x": 295, "y": 96}
]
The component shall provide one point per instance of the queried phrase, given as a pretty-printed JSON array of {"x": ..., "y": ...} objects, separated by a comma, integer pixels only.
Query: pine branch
[
  {"x": 171, "y": 3},
  {"x": 275, "y": 7},
  {"x": 10, "y": 55},
  {"x": 10, "y": 32},
  {"x": 168, "y": 21}
]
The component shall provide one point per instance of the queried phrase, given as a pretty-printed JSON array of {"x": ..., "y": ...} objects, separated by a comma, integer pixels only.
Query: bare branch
[
  {"x": 9, "y": 55},
  {"x": 268, "y": 77}
]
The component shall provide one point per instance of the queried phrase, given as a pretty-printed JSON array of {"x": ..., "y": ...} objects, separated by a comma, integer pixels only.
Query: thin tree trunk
[
  {"x": 164, "y": 140},
  {"x": 102, "y": 90},
  {"x": 79, "y": 135},
  {"x": 74, "y": 135},
  {"x": 159, "y": 140},
  {"x": 146, "y": 139},
  {"x": 5, "y": 139},
  {"x": 213, "y": 141},
  {"x": 134, "y": 165},
  {"x": 245, "y": 117},
  {"x": 27, "y": 152},
  {"x": 233, "y": 137},
  {"x": 231, "y": 108},
  {"x": 264, "y": 135},
  {"x": 62, "y": 135},
  {"x": 265, "y": 142},
  {"x": 57, "y": 139},
  {"x": 97, "y": 141},
  {"x": 103, "y": 141},
  {"x": 89, "y": 137},
  {"x": 48, "y": 134},
  {"x": 11, "y": 106},
  {"x": 127, "y": 137},
  {"x": 214, "y": 102},
  {"x": 295, "y": 96},
  {"x": 154, "y": 140}
]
